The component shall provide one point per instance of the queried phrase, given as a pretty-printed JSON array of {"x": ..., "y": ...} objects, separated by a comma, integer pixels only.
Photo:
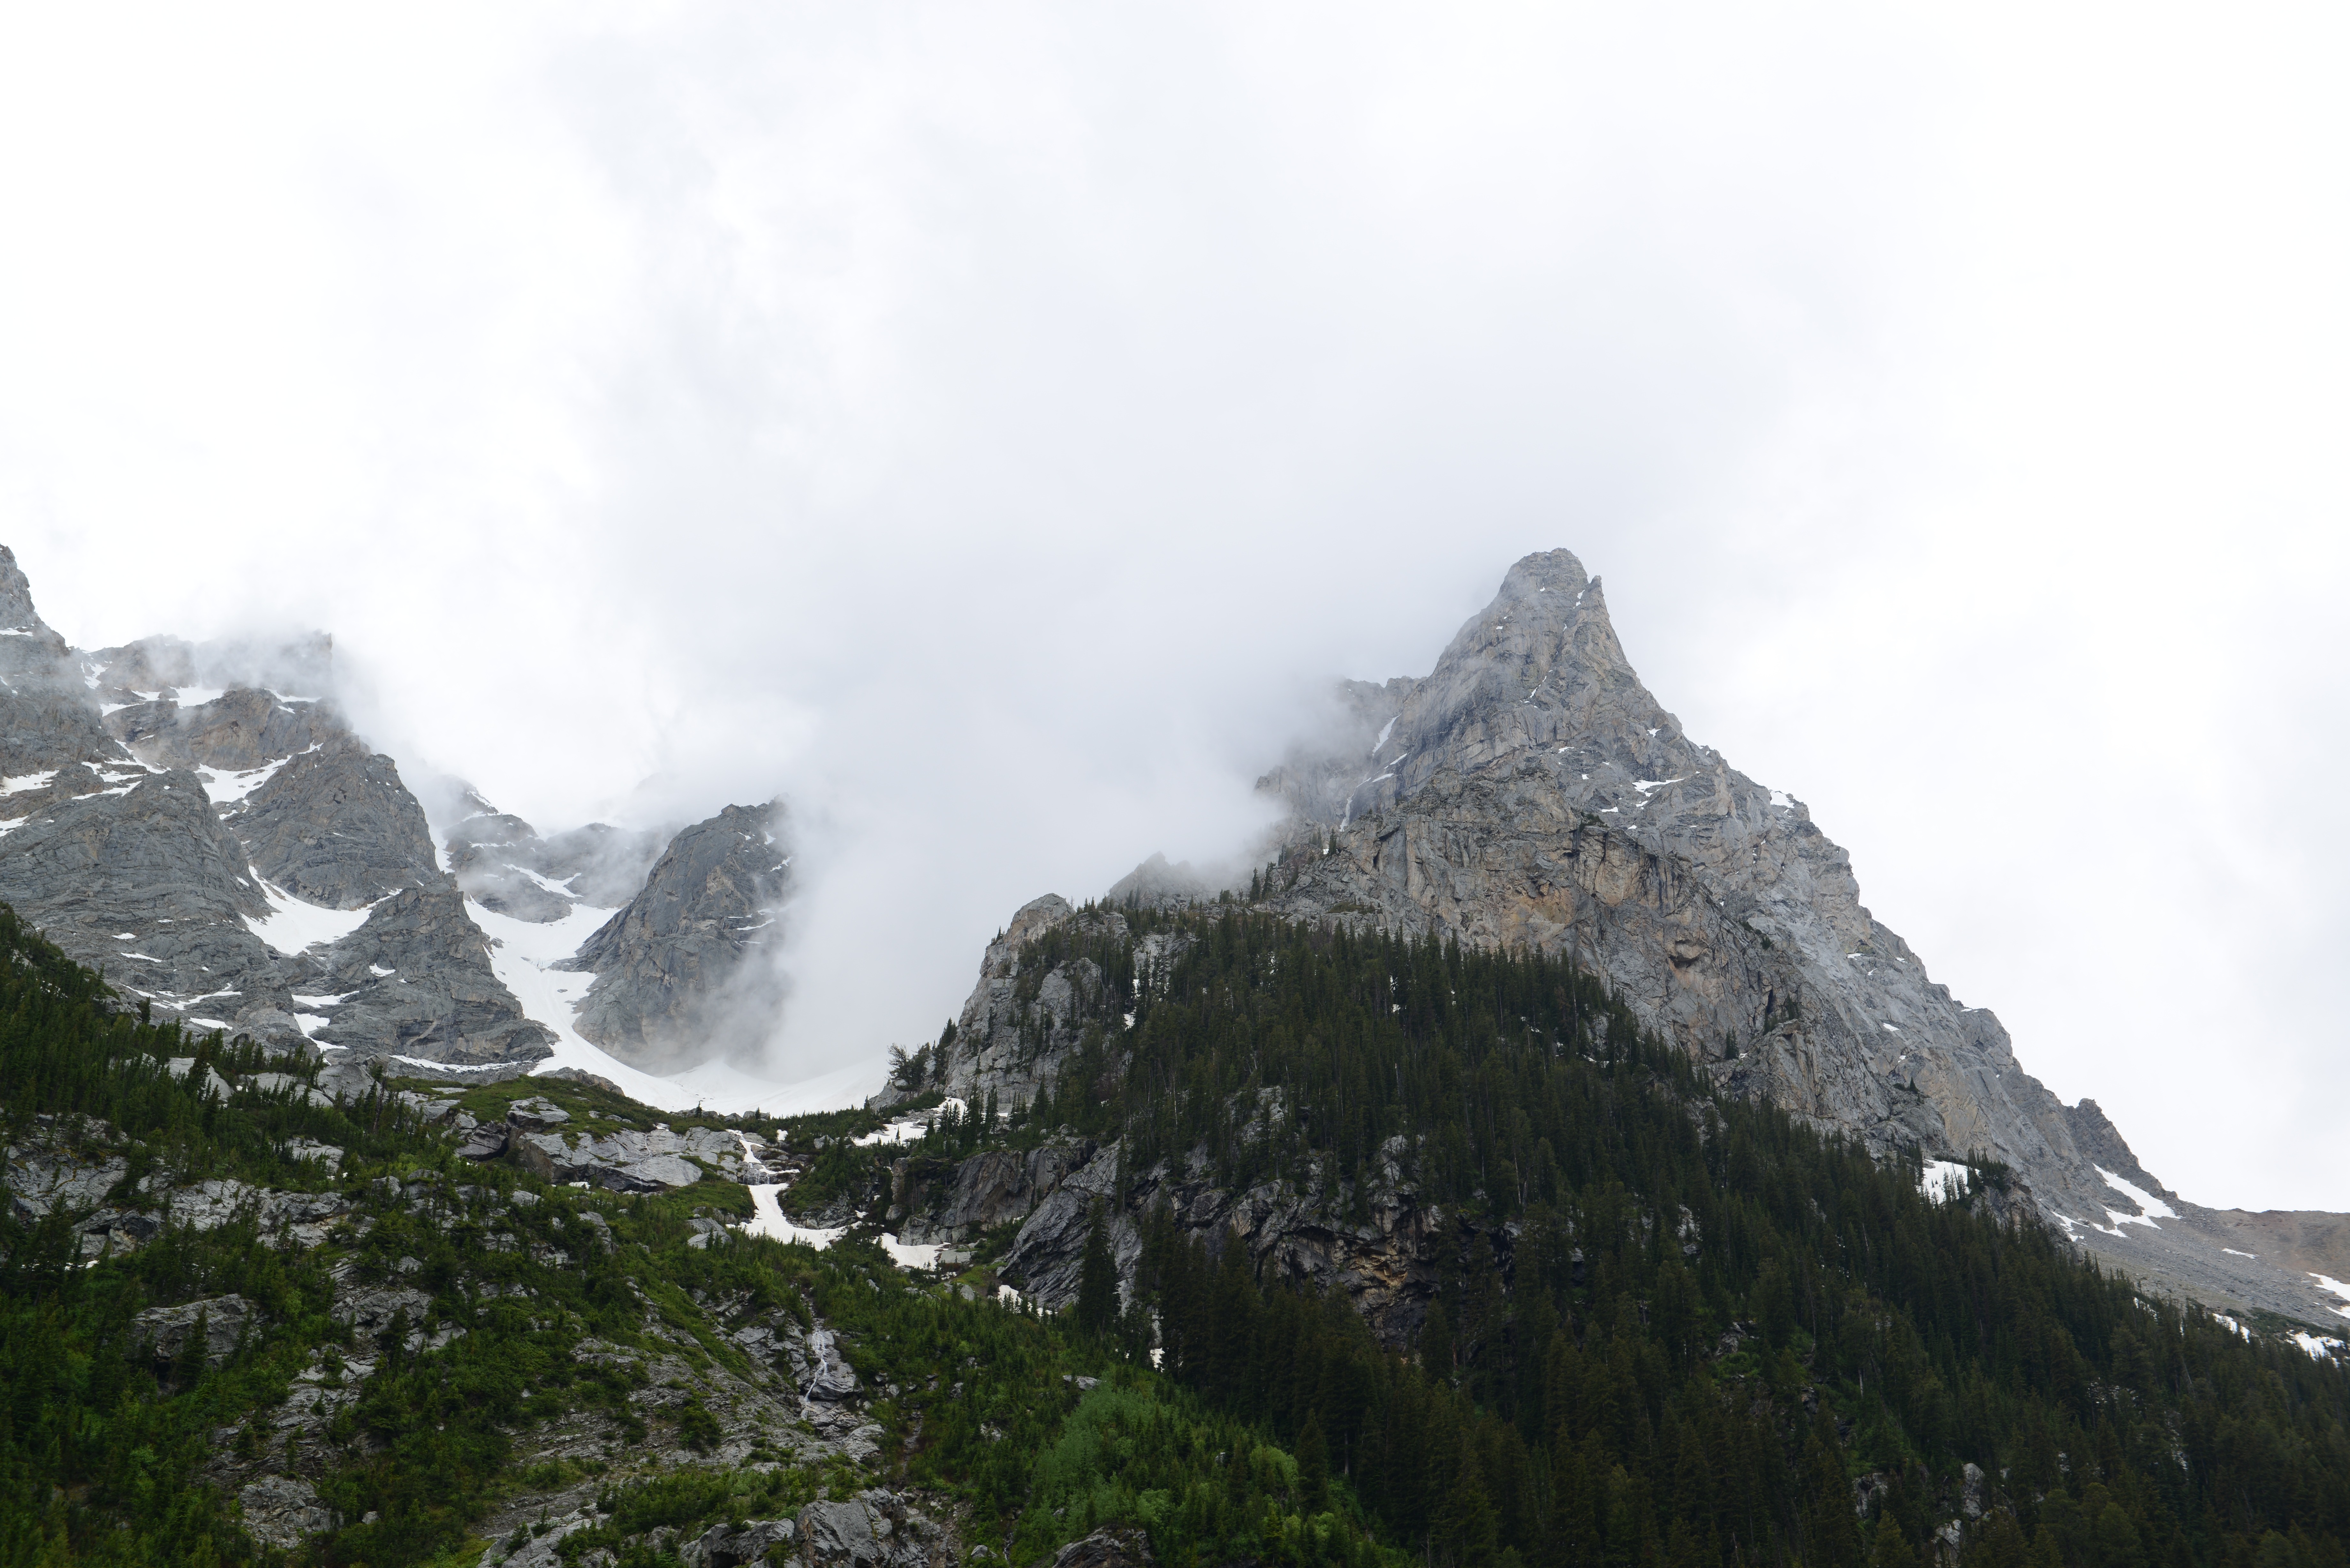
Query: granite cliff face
[
  {"x": 679, "y": 970},
  {"x": 1530, "y": 792}
]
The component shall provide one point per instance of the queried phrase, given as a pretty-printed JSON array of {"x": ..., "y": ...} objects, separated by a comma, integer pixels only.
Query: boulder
[
  {"x": 486, "y": 1141},
  {"x": 538, "y": 1114},
  {"x": 734, "y": 1545},
  {"x": 280, "y": 1511},
  {"x": 1106, "y": 1549}
]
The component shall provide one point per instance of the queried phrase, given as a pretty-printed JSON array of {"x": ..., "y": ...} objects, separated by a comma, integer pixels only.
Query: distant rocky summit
[
  {"x": 200, "y": 821},
  {"x": 674, "y": 971},
  {"x": 1531, "y": 792}
]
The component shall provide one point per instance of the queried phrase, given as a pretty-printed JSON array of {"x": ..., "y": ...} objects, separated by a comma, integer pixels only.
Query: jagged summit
[
  {"x": 17, "y": 616},
  {"x": 199, "y": 820},
  {"x": 1530, "y": 792},
  {"x": 678, "y": 975}
]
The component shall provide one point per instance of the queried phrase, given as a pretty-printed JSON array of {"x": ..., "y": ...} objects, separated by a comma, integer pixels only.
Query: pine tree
[
  {"x": 1313, "y": 1465},
  {"x": 1097, "y": 1281},
  {"x": 1436, "y": 1343}
]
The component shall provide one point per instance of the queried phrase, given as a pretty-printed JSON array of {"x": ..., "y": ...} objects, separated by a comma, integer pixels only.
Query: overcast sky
[{"x": 987, "y": 424}]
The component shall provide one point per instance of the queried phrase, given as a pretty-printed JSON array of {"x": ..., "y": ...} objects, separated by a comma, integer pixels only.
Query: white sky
[{"x": 986, "y": 423}]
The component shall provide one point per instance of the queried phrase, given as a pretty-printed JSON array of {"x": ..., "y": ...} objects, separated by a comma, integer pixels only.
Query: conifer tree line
[{"x": 1671, "y": 1326}]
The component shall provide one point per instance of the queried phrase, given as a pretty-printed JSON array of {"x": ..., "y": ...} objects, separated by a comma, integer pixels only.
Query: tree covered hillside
[
  {"x": 218, "y": 1346},
  {"x": 1662, "y": 1326}
]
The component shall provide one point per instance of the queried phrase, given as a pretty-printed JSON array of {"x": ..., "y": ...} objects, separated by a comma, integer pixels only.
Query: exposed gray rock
[
  {"x": 372, "y": 1309},
  {"x": 415, "y": 979},
  {"x": 1106, "y": 1549},
  {"x": 146, "y": 867},
  {"x": 993, "y": 1188},
  {"x": 237, "y": 732},
  {"x": 211, "y": 1084},
  {"x": 629, "y": 1161},
  {"x": 874, "y": 1529},
  {"x": 282, "y": 1510},
  {"x": 484, "y": 1142},
  {"x": 60, "y": 1162},
  {"x": 145, "y": 884},
  {"x": 1012, "y": 1041},
  {"x": 49, "y": 716},
  {"x": 830, "y": 1378},
  {"x": 1531, "y": 792},
  {"x": 538, "y": 1114},
  {"x": 221, "y": 1319},
  {"x": 334, "y": 826},
  {"x": 735, "y": 1545},
  {"x": 298, "y": 671},
  {"x": 676, "y": 977},
  {"x": 542, "y": 1550},
  {"x": 504, "y": 866}
]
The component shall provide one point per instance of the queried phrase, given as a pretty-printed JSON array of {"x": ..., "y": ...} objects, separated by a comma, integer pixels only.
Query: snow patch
[
  {"x": 910, "y": 1129},
  {"x": 293, "y": 927},
  {"x": 227, "y": 788},
  {"x": 2233, "y": 1254},
  {"x": 2154, "y": 1208},
  {"x": 1384, "y": 730},
  {"x": 2322, "y": 1348},
  {"x": 521, "y": 952},
  {"x": 1943, "y": 1180},
  {"x": 197, "y": 696},
  {"x": 2336, "y": 1286},
  {"x": 910, "y": 1255},
  {"x": 22, "y": 783},
  {"x": 2231, "y": 1326},
  {"x": 767, "y": 1218}
]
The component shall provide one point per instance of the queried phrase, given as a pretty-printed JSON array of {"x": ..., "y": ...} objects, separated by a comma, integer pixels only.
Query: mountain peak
[{"x": 16, "y": 612}]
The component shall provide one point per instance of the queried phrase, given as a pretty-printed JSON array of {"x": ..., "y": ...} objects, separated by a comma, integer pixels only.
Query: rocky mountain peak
[
  {"x": 1530, "y": 793},
  {"x": 679, "y": 976},
  {"x": 17, "y": 616}
]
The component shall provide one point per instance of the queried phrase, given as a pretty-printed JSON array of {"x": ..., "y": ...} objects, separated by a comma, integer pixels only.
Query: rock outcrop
[
  {"x": 334, "y": 826},
  {"x": 415, "y": 980},
  {"x": 683, "y": 972},
  {"x": 219, "y": 1321}
]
